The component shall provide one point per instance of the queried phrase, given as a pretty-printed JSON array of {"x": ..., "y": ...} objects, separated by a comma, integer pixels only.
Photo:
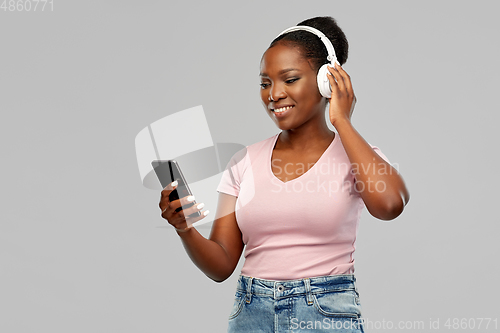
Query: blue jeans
[{"x": 319, "y": 304}]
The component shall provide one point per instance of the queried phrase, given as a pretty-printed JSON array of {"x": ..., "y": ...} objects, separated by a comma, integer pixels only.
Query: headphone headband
[
  {"x": 322, "y": 78},
  {"x": 332, "y": 57}
]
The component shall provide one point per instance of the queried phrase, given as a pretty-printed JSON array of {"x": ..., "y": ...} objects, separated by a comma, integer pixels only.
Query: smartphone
[{"x": 169, "y": 171}]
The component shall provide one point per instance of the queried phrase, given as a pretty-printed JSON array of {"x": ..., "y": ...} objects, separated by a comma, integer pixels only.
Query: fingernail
[
  {"x": 190, "y": 198},
  {"x": 205, "y": 213},
  {"x": 337, "y": 62},
  {"x": 174, "y": 183},
  {"x": 200, "y": 206}
]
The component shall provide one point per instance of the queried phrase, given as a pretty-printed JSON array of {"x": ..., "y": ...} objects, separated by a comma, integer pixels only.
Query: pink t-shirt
[{"x": 305, "y": 227}]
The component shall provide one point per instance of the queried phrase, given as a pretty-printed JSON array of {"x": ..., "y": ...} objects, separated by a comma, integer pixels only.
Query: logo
[{"x": 185, "y": 136}]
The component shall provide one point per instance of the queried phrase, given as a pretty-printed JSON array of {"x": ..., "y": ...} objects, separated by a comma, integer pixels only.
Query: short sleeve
[
  {"x": 379, "y": 152},
  {"x": 232, "y": 175}
]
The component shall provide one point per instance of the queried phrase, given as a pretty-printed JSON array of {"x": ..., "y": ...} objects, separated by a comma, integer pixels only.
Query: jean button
[{"x": 281, "y": 288}]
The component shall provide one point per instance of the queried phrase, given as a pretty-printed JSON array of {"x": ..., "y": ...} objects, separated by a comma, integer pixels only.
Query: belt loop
[
  {"x": 249, "y": 290},
  {"x": 355, "y": 286},
  {"x": 309, "y": 297}
]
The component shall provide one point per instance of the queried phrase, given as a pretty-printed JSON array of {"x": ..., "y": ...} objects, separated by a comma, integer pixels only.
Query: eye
[
  {"x": 264, "y": 85},
  {"x": 289, "y": 81}
]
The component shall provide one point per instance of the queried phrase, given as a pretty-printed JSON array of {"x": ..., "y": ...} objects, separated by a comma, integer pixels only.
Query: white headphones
[{"x": 322, "y": 78}]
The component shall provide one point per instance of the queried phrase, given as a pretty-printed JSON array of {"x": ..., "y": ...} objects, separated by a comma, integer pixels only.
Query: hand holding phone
[{"x": 179, "y": 196}]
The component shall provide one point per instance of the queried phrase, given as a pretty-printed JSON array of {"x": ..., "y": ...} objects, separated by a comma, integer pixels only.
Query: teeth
[{"x": 283, "y": 109}]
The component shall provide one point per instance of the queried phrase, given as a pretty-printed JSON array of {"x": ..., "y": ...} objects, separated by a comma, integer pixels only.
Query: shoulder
[
  {"x": 246, "y": 155},
  {"x": 263, "y": 143},
  {"x": 258, "y": 148}
]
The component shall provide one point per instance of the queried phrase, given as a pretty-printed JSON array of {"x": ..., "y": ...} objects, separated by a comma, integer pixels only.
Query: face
[{"x": 288, "y": 78}]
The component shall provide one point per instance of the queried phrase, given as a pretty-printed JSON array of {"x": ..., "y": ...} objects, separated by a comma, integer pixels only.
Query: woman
[{"x": 294, "y": 199}]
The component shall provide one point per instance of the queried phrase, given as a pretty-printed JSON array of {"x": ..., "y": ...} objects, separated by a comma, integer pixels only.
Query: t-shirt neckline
[{"x": 270, "y": 155}]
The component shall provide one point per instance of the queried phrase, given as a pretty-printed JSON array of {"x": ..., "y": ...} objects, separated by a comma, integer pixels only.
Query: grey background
[{"x": 82, "y": 244}]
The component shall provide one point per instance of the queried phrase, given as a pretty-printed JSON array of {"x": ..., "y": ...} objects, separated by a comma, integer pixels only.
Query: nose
[{"x": 277, "y": 92}]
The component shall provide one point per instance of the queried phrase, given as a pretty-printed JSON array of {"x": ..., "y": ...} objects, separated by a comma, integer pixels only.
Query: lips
[{"x": 282, "y": 111}]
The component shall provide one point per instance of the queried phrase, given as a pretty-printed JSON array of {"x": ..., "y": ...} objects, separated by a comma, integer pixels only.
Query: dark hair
[{"x": 311, "y": 46}]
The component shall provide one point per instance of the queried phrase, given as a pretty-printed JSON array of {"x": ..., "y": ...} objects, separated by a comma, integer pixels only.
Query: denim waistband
[{"x": 287, "y": 288}]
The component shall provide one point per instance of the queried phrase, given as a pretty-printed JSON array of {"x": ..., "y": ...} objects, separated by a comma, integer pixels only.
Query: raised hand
[{"x": 343, "y": 99}]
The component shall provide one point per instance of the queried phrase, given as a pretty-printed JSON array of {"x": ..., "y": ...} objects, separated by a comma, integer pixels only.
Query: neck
[{"x": 304, "y": 138}]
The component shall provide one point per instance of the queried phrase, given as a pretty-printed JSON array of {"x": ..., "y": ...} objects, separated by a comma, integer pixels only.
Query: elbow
[
  {"x": 218, "y": 280},
  {"x": 391, "y": 211},
  {"x": 220, "y": 277},
  {"x": 391, "y": 208}
]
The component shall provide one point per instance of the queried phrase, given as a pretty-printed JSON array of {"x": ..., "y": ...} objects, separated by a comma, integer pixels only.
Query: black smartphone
[{"x": 169, "y": 171}]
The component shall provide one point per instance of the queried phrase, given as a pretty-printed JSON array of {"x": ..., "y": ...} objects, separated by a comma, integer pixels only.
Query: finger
[
  {"x": 184, "y": 201},
  {"x": 192, "y": 219},
  {"x": 176, "y": 204},
  {"x": 187, "y": 211},
  {"x": 172, "y": 206},
  {"x": 339, "y": 79},
  {"x": 169, "y": 188},
  {"x": 346, "y": 78},
  {"x": 333, "y": 83},
  {"x": 164, "y": 207},
  {"x": 184, "y": 219},
  {"x": 165, "y": 195},
  {"x": 168, "y": 208}
]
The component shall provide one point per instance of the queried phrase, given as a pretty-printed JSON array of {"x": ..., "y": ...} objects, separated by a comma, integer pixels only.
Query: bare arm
[
  {"x": 380, "y": 185},
  {"x": 217, "y": 256}
]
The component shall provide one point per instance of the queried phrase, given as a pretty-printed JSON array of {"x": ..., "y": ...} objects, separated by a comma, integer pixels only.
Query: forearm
[
  {"x": 207, "y": 255},
  {"x": 380, "y": 185}
]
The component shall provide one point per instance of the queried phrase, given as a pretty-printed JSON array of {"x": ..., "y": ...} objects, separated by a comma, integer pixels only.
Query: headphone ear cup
[{"x": 323, "y": 84}]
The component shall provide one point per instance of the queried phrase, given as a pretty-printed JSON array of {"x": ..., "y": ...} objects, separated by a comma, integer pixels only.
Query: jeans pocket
[
  {"x": 239, "y": 299},
  {"x": 338, "y": 304}
]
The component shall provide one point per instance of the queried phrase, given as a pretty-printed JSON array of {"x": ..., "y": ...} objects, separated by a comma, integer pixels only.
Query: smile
[{"x": 283, "y": 109}]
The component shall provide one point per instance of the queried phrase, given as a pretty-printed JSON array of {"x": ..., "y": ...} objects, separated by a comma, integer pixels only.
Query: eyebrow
[{"x": 281, "y": 72}]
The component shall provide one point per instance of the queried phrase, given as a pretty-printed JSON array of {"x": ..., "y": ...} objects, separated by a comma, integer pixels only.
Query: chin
[{"x": 283, "y": 127}]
